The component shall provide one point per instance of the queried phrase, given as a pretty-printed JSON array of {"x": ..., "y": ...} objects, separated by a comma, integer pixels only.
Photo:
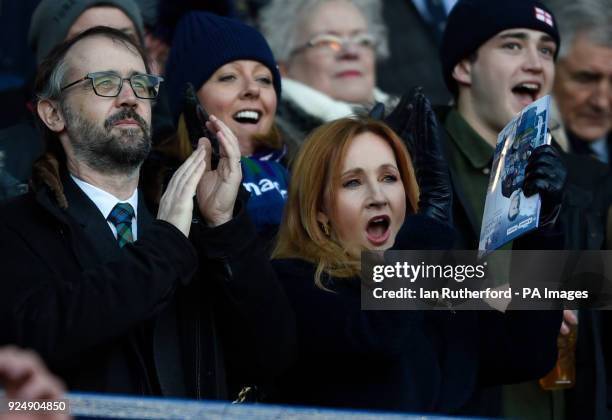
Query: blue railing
[{"x": 89, "y": 406}]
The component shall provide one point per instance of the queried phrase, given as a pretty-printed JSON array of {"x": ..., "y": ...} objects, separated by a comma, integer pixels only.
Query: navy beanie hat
[
  {"x": 471, "y": 23},
  {"x": 202, "y": 43}
]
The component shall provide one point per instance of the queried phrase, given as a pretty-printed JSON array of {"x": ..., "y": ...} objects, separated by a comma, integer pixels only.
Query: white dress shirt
[{"x": 106, "y": 201}]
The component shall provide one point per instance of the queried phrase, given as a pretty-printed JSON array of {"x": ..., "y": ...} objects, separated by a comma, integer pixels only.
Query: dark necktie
[
  {"x": 121, "y": 216},
  {"x": 437, "y": 17}
]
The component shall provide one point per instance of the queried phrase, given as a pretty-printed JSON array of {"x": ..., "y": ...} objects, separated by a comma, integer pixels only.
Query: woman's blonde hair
[{"x": 315, "y": 175}]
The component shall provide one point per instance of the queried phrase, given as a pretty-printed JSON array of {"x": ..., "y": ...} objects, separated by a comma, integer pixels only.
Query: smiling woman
[
  {"x": 241, "y": 93},
  {"x": 235, "y": 76}
]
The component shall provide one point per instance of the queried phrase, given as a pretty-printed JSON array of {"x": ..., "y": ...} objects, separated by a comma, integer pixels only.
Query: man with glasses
[
  {"x": 52, "y": 22},
  {"x": 112, "y": 298}
]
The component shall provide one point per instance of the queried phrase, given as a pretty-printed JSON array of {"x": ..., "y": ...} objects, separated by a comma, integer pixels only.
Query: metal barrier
[{"x": 122, "y": 407}]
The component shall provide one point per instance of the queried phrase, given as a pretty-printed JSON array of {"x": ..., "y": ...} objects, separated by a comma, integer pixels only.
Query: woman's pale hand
[
  {"x": 218, "y": 189},
  {"x": 176, "y": 205}
]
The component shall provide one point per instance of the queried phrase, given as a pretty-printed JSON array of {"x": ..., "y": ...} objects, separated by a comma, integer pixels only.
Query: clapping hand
[
  {"x": 217, "y": 190},
  {"x": 176, "y": 205}
]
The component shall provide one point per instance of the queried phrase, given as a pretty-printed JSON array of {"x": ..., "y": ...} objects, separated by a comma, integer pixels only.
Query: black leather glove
[
  {"x": 546, "y": 174},
  {"x": 400, "y": 118},
  {"x": 414, "y": 121},
  {"x": 436, "y": 197}
]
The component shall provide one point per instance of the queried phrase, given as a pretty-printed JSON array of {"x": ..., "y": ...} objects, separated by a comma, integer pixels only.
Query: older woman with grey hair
[{"x": 326, "y": 51}]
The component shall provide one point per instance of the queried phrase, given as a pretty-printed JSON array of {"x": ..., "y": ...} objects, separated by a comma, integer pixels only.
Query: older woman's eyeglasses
[
  {"x": 335, "y": 43},
  {"x": 108, "y": 84}
]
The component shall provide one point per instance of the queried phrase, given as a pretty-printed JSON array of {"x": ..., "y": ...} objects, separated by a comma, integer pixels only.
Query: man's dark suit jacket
[
  {"x": 414, "y": 59},
  {"x": 165, "y": 315}
]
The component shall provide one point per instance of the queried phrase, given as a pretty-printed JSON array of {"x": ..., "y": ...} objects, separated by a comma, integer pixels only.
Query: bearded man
[{"x": 114, "y": 299}]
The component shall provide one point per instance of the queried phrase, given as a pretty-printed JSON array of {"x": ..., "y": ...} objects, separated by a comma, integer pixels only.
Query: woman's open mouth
[{"x": 378, "y": 230}]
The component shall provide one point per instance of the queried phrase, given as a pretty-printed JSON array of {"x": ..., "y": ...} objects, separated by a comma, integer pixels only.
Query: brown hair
[{"x": 316, "y": 172}]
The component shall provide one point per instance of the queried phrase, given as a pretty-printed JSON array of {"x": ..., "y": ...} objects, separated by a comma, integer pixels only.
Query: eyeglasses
[
  {"x": 335, "y": 43},
  {"x": 108, "y": 85}
]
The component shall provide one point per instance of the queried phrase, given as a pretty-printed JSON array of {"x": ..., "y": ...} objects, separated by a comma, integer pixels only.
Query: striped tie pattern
[{"x": 121, "y": 216}]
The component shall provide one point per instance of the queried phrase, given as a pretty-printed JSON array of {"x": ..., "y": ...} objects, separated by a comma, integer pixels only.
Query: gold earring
[{"x": 325, "y": 227}]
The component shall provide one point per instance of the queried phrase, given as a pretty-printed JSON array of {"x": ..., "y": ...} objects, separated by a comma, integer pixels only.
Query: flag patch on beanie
[{"x": 544, "y": 16}]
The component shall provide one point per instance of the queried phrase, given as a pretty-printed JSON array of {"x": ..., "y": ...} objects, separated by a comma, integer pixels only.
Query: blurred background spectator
[
  {"x": 583, "y": 83},
  {"x": 415, "y": 29},
  {"x": 326, "y": 51},
  {"x": 583, "y": 94},
  {"x": 17, "y": 63},
  {"x": 161, "y": 17}
]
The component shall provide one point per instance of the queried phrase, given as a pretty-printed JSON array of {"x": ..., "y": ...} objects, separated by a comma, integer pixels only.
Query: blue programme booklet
[{"x": 508, "y": 213}]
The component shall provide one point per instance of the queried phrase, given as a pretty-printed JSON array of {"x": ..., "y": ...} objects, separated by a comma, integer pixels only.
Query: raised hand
[
  {"x": 422, "y": 135},
  {"x": 414, "y": 121},
  {"x": 176, "y": 205},
  {"x": 400, "y": 118},
  {"x": 218, "y": 188}
]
